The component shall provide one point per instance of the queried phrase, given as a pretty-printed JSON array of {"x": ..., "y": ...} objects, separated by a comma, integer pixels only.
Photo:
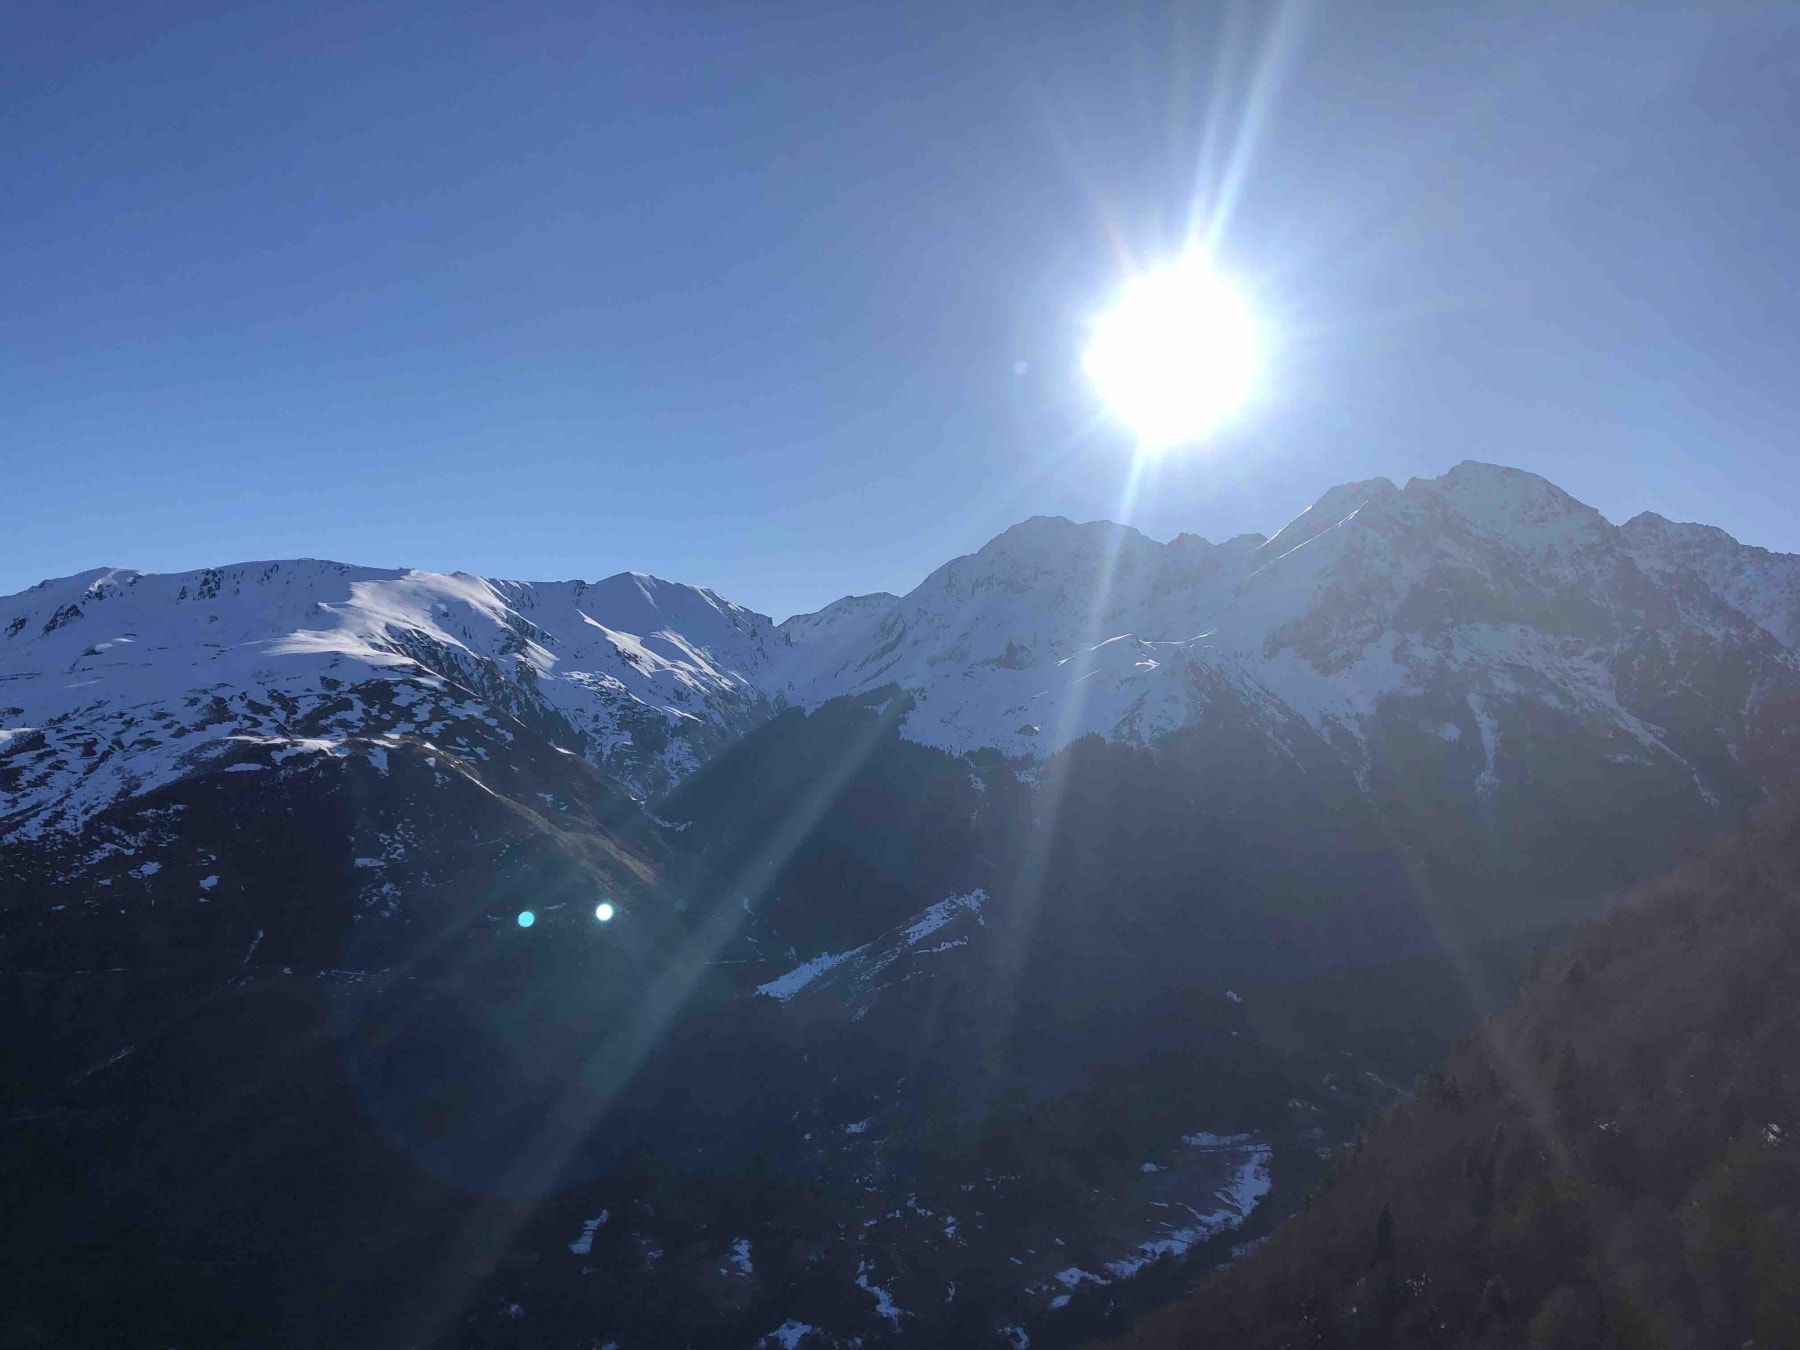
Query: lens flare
[
  {"x": 526, "y": 918},
  {"x": 604, "y": 912},
  {"x": 1178, "y": 356}
]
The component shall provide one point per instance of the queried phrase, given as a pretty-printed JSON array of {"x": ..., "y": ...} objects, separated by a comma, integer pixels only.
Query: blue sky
[{"x": 737, "y": 294}]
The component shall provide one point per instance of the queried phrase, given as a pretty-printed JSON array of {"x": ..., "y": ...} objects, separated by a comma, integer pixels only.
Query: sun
[{"x": 1178, "y": 356}]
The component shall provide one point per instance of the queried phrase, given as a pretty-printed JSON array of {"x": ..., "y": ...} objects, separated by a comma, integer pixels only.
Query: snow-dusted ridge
[
  {"x": 114, "y": 681},
  {"x": 1446, "y": 604},
  {"x": 1474, "y": 592}
]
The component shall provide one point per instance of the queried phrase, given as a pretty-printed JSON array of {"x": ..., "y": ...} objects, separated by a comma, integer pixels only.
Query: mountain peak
[
  {"x": 1055, "y": 532},
  {"x": 1338, "y": 504},
  {"x": 1475, "y": 480},
  {"x": 1515, "y": 506},
  {"x": 1649, "y": 524}
]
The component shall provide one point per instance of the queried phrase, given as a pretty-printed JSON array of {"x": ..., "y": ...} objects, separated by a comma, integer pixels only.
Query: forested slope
[{"x": 1615, "y": 1161}]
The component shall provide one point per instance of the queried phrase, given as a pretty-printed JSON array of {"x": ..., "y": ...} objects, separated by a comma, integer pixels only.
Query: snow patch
[
  {"x": 784, "y": 987},
  {"x": 1248, "y": 1184},
  {"x": 1074, "y": 1277},
  {"x": 584, "y": 1244},
  {"x": 740, "y": 1256},
  {"x": 884, "y": 1303},
  {"x": 788, "y": 1335},
  {"x": 941, "y": 913}
]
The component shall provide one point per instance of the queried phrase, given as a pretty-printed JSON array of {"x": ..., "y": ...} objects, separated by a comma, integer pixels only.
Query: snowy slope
[
  {"x": 113, "y": 682},
  {"x": 1761, "y": 584},
  {"x": 1440, "y": 604}
]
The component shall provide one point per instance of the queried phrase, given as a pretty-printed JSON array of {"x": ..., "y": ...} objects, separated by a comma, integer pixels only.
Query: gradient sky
[{"x": 736, "y": 294}]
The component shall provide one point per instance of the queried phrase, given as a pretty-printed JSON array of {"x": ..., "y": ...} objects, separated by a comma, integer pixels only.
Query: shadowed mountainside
[{"x": 1614, "y": 1162}]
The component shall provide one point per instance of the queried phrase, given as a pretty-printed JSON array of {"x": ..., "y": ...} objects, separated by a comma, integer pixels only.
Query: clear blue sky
[{"x": 735, "y": 294}]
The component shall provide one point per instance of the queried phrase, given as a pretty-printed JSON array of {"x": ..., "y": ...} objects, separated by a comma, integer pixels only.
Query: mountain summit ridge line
[{"x": 1487, "y": 578}]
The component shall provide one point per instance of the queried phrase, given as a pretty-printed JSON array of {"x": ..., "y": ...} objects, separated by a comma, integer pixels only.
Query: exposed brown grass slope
[{"x": 1613, "y": 1162}]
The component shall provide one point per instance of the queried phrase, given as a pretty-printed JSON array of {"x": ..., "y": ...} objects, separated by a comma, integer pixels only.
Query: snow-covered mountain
[
  {"x": 589, "y": 963},
  {"x": 115, "y": 682},
  {"x": 1451, "y": 609},
  {"x": 1437, "y": 607}
]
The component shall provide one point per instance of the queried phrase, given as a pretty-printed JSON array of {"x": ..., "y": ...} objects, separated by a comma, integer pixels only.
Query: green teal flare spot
[{"x": 526, "y": 918}]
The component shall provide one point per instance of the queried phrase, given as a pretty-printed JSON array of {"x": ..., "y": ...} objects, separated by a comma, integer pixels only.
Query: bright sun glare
[{"x": 1177, "y": 357}]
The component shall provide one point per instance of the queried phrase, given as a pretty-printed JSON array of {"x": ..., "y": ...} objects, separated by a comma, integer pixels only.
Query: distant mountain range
[
  {"x": 1458, "y": 608},
  {"x": 982, "y": 961}
]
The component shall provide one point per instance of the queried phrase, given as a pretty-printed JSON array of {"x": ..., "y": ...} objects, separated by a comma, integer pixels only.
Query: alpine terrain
[{"x": 396, "y": 958}]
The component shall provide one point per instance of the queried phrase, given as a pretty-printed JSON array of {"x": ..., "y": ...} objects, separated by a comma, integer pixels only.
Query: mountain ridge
[{"x": 1015, "y": 647}]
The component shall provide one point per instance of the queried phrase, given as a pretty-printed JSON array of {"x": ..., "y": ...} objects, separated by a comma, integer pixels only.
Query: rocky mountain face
[{"x": 976, "y": 964}]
